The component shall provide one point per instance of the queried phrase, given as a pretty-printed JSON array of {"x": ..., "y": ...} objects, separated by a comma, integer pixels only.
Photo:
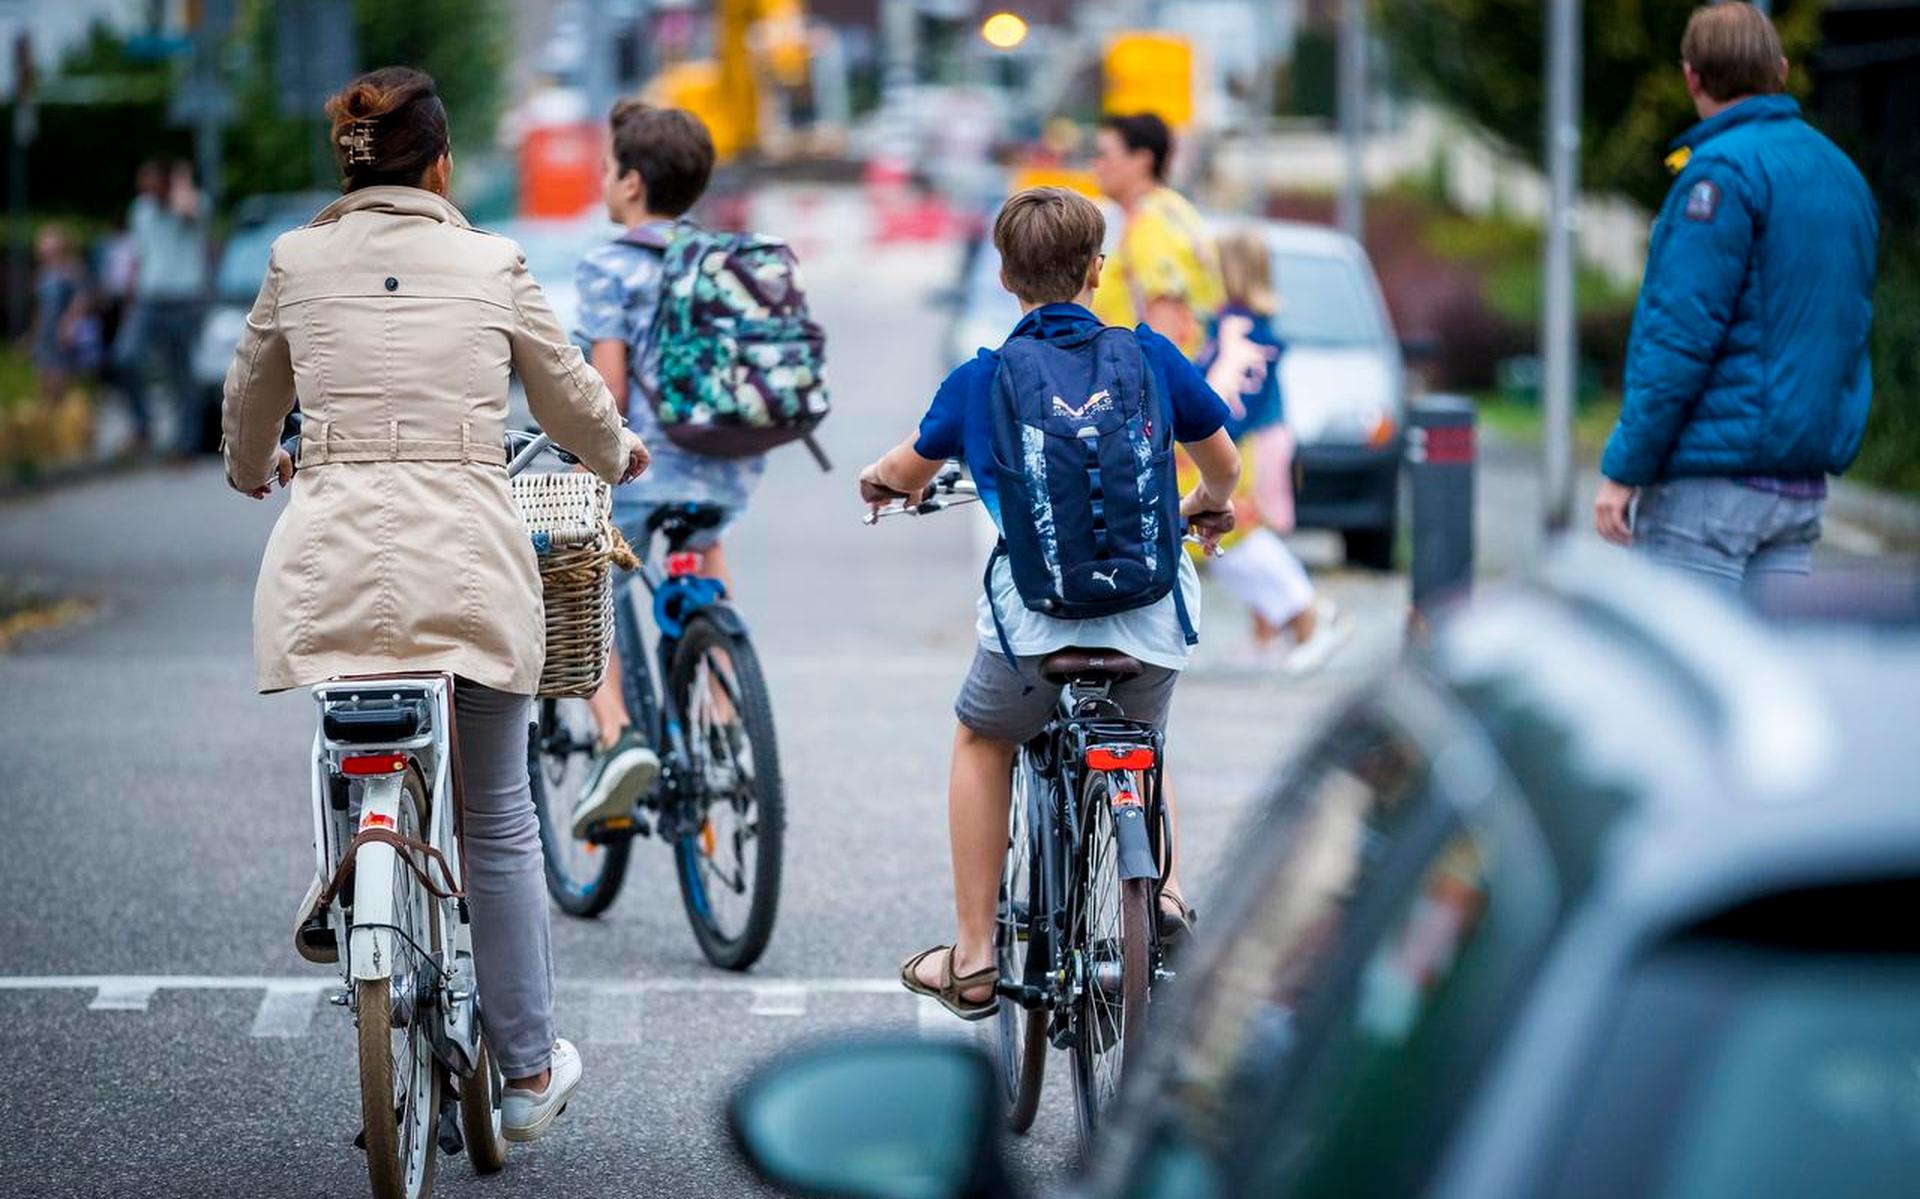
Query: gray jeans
[
  {"x": 1737, "y": 537},
  {"x": 512, "y": 941}
]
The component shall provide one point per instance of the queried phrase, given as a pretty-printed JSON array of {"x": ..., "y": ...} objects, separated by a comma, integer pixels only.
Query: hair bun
[{"x": 388, "y": 126}]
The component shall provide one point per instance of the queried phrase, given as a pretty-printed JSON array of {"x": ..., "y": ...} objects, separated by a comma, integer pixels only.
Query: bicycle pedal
[{"x": 340, "y": 997}]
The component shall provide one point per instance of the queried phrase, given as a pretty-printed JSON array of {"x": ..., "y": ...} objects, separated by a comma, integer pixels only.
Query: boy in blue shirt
[{"x": 1049, "y": 242}]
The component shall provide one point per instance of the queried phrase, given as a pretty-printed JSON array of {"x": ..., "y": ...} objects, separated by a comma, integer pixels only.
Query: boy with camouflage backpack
[{"x": 706, "y": 341}]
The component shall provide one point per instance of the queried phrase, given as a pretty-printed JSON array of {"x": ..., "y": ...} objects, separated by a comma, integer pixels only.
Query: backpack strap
[
  {"x": 1180, "y": 608},
  {"x": 999, "y": 628}
]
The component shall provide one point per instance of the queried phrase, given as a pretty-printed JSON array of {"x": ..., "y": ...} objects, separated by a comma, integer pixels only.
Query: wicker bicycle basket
[{"x": 568, "y": 515}]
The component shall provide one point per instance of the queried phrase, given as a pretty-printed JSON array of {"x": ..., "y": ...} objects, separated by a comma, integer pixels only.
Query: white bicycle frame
[{"x": 371, "y": 938}]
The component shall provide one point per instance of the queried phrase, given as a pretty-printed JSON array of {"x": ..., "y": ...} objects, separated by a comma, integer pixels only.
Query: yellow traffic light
[{"x": 1004, "y": 30}]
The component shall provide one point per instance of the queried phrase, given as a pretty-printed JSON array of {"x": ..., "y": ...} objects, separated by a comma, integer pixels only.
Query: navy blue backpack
[{"x": 1083, "y": 458}]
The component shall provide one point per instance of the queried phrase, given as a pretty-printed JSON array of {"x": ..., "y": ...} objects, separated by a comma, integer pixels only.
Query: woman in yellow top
[{"x": 1162, "y": 270}]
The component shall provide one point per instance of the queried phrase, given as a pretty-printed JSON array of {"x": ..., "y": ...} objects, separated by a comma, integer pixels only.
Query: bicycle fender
[
  {"x": 1136, "y": 850},
  {"x": 727, "y": 618},
  {"x": 371, "y": 945}
]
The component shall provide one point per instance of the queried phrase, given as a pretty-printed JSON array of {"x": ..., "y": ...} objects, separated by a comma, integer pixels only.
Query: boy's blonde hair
[
  {"x": 1048, "y": 238},
  {"x": 1735, "y": 51},
  {"x": 1246, "y": 271}
]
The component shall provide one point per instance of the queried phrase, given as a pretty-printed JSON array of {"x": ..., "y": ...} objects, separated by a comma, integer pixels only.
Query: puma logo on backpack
[{"x": 735, "y": 365}]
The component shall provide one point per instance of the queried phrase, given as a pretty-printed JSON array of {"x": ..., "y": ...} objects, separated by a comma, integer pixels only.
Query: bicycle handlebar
[{"x": 949, "y": 489}]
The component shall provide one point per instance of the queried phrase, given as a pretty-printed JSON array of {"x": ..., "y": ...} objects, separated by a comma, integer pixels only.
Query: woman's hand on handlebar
[
  {"x": 282, "y": 473},
  {"x": 637, "y": 457}
]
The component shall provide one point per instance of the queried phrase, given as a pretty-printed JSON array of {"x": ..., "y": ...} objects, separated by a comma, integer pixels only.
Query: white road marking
[
  {"x": 286, "y": 1012},
  {"x": 937, "y": 1022},
  {"x": 121, "y": 995},
  {"x": 780, "y": 1000}
]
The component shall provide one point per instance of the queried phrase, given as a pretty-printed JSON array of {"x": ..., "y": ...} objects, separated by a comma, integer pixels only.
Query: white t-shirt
[{"x": 1151, "y": 634}]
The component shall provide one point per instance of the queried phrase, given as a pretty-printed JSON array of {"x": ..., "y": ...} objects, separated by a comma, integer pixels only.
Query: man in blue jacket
[{"x": 1747, "y": 374}]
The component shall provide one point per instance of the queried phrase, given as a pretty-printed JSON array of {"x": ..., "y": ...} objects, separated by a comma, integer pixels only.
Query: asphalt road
[{"x": 158, "y": 1036}]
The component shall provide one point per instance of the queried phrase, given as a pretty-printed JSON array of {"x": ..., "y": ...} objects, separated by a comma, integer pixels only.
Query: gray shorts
[{"x": 1012, "y": 708}]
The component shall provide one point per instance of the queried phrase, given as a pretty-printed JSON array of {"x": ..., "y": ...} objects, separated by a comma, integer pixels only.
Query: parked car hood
[{"x": 1336, "y": 394}]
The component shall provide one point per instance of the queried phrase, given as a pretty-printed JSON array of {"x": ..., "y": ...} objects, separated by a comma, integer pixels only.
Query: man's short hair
[
  {"x": 1144, "y": 131},
  {"x": 669, "y": 147},
  {"x": 1048, "y": 238},
  {"x": 1734, "y": 49}
]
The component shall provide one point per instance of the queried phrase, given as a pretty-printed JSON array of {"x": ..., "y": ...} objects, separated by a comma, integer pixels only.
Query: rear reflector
[
  {"x": 366, "y": 764},
  {"x": 1120, "y": 757},
  {"x": 682, "y": 564},
  {"x": 376, "y": 820}
]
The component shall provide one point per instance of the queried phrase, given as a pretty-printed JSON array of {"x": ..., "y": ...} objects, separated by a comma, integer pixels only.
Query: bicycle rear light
[
  {"x": 683, "y": 564},
  {"x": 362, "y": 765},
  {"x": 1119, "y": 757}
]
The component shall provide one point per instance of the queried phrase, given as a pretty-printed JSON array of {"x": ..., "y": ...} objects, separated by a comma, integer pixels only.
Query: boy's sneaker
[
  {"x": 525, "y": 1115},
  {"x": 621, "y": 773}
]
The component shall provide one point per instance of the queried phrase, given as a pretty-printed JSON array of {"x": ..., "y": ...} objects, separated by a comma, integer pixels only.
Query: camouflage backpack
[{"x": 735, "y": 365}]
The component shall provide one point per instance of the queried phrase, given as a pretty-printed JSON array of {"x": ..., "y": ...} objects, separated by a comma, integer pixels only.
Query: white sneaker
[
  {"x": 526, "y": 1115},
  {"x": 1330, "y": 631}
]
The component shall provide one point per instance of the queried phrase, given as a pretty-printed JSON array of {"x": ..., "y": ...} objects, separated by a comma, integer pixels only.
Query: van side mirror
[{"x": 879, "y": 1119}]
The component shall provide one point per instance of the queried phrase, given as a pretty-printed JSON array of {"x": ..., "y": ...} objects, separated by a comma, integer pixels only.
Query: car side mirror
[{"x": 881, "y": 1119}]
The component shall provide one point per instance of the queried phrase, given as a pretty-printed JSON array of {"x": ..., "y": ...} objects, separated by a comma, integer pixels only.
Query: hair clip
[{"x": 358, "y": 140}]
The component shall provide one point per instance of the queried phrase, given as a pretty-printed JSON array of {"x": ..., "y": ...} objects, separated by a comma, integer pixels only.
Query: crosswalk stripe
[
  {"x": 285, "y": 1012},
  {"x": 779, "y": 1001},
  {"x": 124, "y": 995}
]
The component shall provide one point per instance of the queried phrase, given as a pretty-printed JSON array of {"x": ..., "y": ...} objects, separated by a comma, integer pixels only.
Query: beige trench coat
[{"x": 400, "y": 548}]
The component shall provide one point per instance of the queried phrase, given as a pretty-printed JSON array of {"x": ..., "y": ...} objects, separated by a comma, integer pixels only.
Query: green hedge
[{"x": 1891, "y": 455}]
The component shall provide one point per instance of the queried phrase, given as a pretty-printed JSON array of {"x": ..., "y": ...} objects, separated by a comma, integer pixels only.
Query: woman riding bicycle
[{"x": 401, "y": 549}]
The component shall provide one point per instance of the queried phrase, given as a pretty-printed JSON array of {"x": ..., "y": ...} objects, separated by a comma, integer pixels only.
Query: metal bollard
[{"x": 1441, "y": 454}]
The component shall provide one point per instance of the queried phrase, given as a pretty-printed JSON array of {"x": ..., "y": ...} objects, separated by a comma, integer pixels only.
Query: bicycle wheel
[
  {"x": 1021, "y": 1032},
  {"x": 1111, "y": 935},
  {"x": 729, "y": 865},
  {"x": 583, "y": 877},
  {"x": 480, "y": 1114},
  {"x": 399, "y": 1077}
]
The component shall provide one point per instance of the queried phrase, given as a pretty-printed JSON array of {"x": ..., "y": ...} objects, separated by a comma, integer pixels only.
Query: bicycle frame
[
  {"x": 373, "y": 940},
  {"x": 1057, "y": 832},
  {"x": 678, "y": 595}
]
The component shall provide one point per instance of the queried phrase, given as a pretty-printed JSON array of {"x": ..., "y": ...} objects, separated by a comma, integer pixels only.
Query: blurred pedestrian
[
  {"x": 401, "y": 548},
  {"x": 1293, "y": 628},
  {"x": 65, "y": 336},
  {"x": 1747, "y": 373},
  {"x": 1161, "y": 269},
  {"x": 168, "y": 228}
]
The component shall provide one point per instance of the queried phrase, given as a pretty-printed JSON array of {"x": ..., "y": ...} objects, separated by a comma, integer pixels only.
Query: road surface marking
[
  {"x": 781, "y": 1000},
  {"x": 937, "y": 1022},
  {"x": 121, "y": 995},
  {"x": 286, "y": 1012}
]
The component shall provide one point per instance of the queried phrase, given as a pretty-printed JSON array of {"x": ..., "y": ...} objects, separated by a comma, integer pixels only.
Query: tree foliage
[
  {"x": 1486, "y": 59},
  {"x": 461, "y": 43}
]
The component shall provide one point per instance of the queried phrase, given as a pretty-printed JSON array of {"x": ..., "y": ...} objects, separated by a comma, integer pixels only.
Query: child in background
[
  {"x": 1291, "y": 627},
  {"x": 65, "y": 337}
]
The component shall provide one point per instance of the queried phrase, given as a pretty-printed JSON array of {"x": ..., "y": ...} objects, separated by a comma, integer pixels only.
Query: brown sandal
[
  {"x": 948, "y": 993},
  {"x": 1176, "y": 922}
]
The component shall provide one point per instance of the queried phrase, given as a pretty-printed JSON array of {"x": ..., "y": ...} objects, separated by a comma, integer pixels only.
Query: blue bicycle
[{"x": 719, "y": 800}]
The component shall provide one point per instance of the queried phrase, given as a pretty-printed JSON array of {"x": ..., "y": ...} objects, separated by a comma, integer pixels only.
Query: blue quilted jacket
[{"x": 1749, "y": 346}]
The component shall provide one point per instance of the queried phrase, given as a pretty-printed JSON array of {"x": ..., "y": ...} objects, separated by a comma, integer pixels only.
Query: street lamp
[{"x": 1004, "y": 30}]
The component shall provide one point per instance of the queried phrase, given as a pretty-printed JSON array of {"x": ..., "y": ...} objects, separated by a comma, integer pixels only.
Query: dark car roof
[{"x": 1660, "y": 721}]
